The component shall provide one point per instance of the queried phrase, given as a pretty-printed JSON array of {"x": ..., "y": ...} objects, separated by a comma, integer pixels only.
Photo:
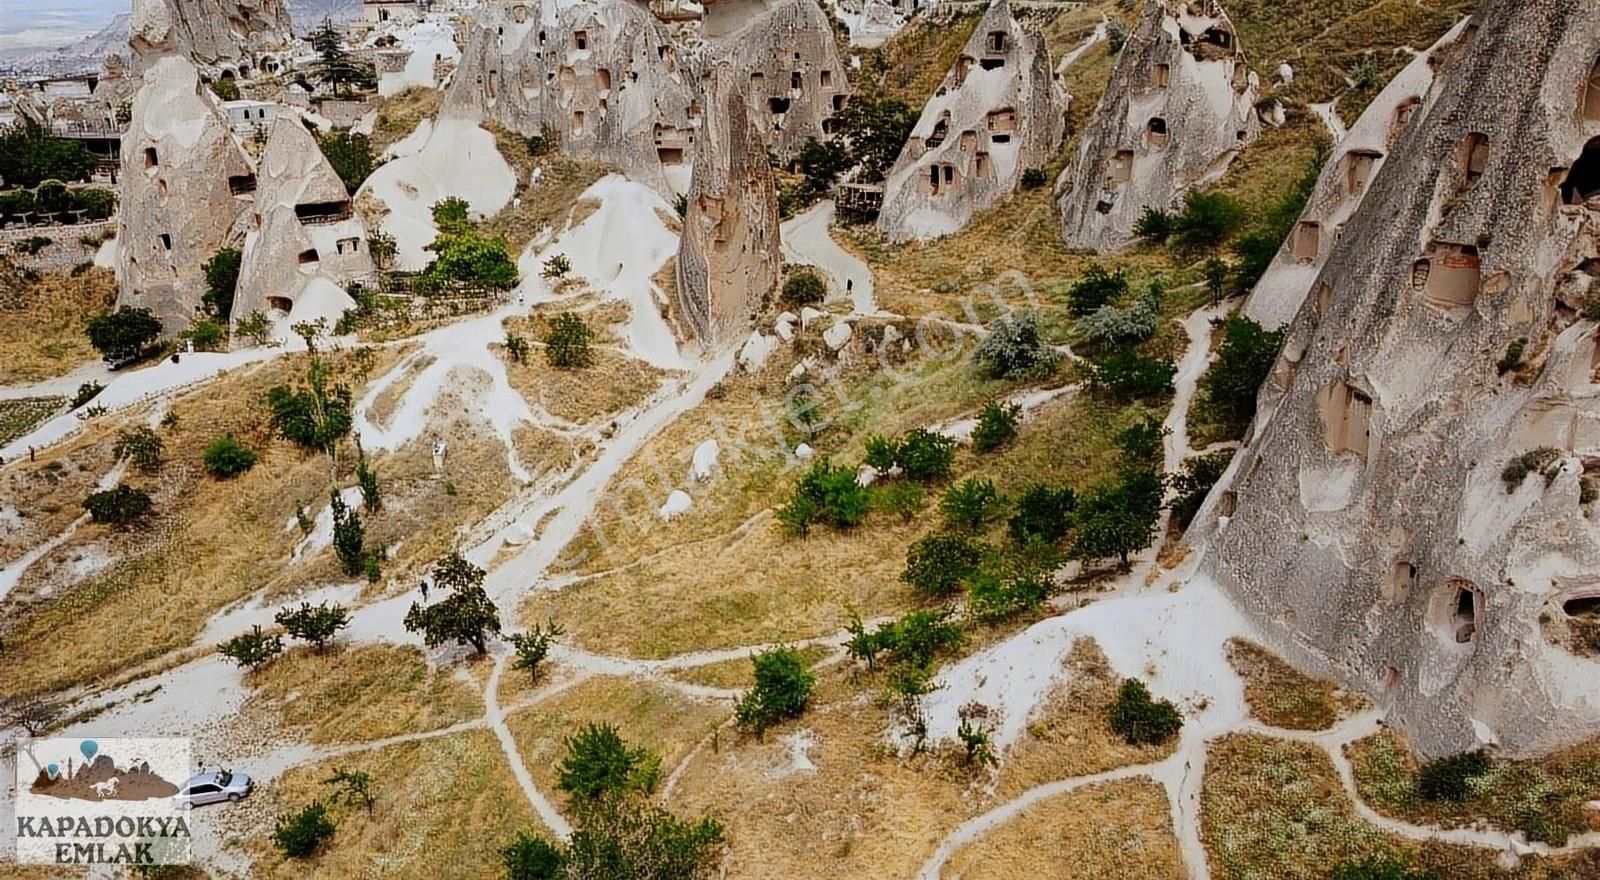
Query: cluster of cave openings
[
  {"x": 1583, "y": 179},
  {"x": 1402, "y": 578},
  {"x": 1307, "y": 241},
  {"x": 1160, "y": 74},
  {"x": 1155, "y": 133},
  {"x": 1473, "y": 156},
  {"x": 1002, "y": 124},
  {"x": 1448, "y": 275},
  {"x": 1358, "y": 168},
  {"x": 1347, "y": 416},
  {"x": 1461, "y": 613},
  {"x": 941, "y": 130},
  {"x": 941, "y": 176}
]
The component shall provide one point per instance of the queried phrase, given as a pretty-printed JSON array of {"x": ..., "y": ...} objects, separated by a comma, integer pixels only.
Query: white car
[{"x": 211, "y": 788}]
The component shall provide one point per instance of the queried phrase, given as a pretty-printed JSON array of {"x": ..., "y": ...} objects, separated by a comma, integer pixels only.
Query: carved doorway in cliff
[{"x": 1583, "y": 180}]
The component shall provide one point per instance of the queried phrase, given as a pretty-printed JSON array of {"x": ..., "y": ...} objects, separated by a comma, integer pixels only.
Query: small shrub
[
  {"x": 1512, "y": 359},
  {"x": 971, "y": 503},
  {"x": 86, "y": 392},
  {"x": 222, "y": 278},
  {"x": 121, "y": 506},
  {"x": 997, "y": 426},
  {"x": 349, "y": 536},
  {"x": 226, "y": 457},
  {"x": 1095, "y": 289},
  {"x": 912, "y": 642},
  {"x": 1127, "y": 375},
  {"x": 973, "y": 731},
  {"x": 1117, "y": 518},
  {"x": 301, "y": 834},
  {"x": 1379, "y": 867},
  {"x": 317, "y": 624},
  {"x": 827, "y": 494},
  {"x": 782, "y": 690},
  {"x": 804, "y": 288},
  {"x": 566, "y": 345},
  {"x": 905, "y": 499},
  {"x": 993, "y": 597},
  {"x": 1140, "y": 442},
  {"x": 1154, "y": 225},
  {"x": 1116, "y": 35},
  {"x": 534, "y": 645},
  {"x": 1541, "y": 460},
  {"x": 351, "y": 156},
  {"x": 1141, "y": 720},
  {"x": 450, "y": 214},
  {"x": 599, "y": 763},
  {"x": 556, "y": 267},
  {"x": 1206, "y": 221},
  {"x": 31, "y": 245},
  {"x": 352, "y": 787},
  {"x": 516, "y": 348},
  {"x": 1033, "y": 178},
  {"x": 1043, "y": 514},
  {"x": 530, "y": 857},
  {"x": 1450, "y": 778},
  {"x": 142, "y": 447},
  {"x": 206, "y": 335},
  {"x": 937, "y": 565},
  {"x": 1014, "y": 349},
  {"x": 367, "y": 479},
  {"x": 252, "y": 649},
  {"x": 925, "y": 456},
  {"x": 882, "y": 453},
  {"x": 256, "y": 327},
  {"x": 1116, "y": 326}
]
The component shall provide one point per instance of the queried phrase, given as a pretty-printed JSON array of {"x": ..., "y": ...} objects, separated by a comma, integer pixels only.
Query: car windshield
[{"x": 224, "y": 777}]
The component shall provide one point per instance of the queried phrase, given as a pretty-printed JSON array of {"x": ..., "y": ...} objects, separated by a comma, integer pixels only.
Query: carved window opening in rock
[
  {"x": 580, "y": 40},
  {"x": 241, "y": 184},
  {"x": 1307, "y": 241},
  {"x": 1227, "y": 503},
  {"x": 1402, "y": 116},
  {"x": 500, "y": 30},
  {"x": 838, "y": 102},
  {"x": 1583, "y": 180},
  {"x": 314, "y": 213},
  {"x": 166, "y": 241},
  {"x": 796, "y": 80},
  {"x": 161, "y": 189},
  {"x": 519, "y": 13},
  {"x": 347, "y": 245},
  {"x": 995, "y": 41},
  {"x": 541, "y": 38},
  {"x": 1587, "y": 607},
  {"x": 1120, "y": 169},
  {"x": 569, "y": 79},
  {"x": 1391, "y": 678},
  {"x": 1160, "y": 75},
  {"x": 1219, "y": 37},
  {"x": 1591, "y": 94},
  {"x": 963, "y": 67},
  {"x": 1462, "y": 610},
  {"x": 941, "y": 130},
  {"x": 992, "y": 63},
  {"x": 778, "y": 106},
  {"x": 280, "y": 304},
  {"x": 757, "y": 81},
  {"x": 711, "y": 218},
  {"x": 969, "y": 141},
  {"x": 1241, "y": 76},
  {"x": 308, "y": 257},
  {"x": 670, "y": 155},
  {"x": 1320, "y": 296},
  {"x": 150, "y": 160},
  {"x": 1347, "y": 415},
  {"x": 826, "y": 78},
  {"x": 602, "y": 79},
  {"x": 1473, "y": 157},
  {"x": 1451, "y": 275},
  {"x": 1155, "y": 133},
  {"x": 981, "y": 166},
  {"x": 1402, "y": 578},
  {"x": 492, "y": 87},
  {"x": 1358, "y": 167},
  {"x": 577, "y": 123}
]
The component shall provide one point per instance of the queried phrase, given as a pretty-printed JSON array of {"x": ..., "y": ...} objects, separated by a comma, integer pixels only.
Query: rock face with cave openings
[
  {"x": 1373, "y": 526},
  {"x": 231, "y": 37},
  {"x": 1180, "y": 105},
  {"x": 998, "y": 113}
]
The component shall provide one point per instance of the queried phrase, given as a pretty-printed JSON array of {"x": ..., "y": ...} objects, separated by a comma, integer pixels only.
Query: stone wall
[{"x": 66, "y": 248}]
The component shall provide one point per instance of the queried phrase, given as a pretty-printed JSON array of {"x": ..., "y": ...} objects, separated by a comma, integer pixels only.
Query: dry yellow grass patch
[
  {"x": 444, "y": 808},
  {"x": 47, "y": 492},
  {"x": 1282, "y": 696},
  {"x": 1068, "y": 735},
  {"x": 1113, "y": 830},
  {"x": 11, "y": 871},
  {"x": 361, "y": 694},
  {"x": 612, "y": 383},
  {"x": 400, "y": 114},
  {"x": 545, "y": 203},
  {"x": 910, "y": 66},
  {"x": 645, "y": 713},
  {"x": 42, "y": 321}
]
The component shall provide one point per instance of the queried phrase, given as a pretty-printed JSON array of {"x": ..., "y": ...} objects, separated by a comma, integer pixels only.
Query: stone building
[
  {"x": 728, "y": 257},
  {"x": 1413, "y": 510},
  {"x": 997, "y": 113},
  {"x": 603, "y": 77},
  {"x": 1180, "y": 105}
]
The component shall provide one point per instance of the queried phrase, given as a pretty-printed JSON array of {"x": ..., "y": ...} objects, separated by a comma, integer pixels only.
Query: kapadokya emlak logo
[
  {"x": 102, "y": 800},
  {"x": 98, "y": 778}
]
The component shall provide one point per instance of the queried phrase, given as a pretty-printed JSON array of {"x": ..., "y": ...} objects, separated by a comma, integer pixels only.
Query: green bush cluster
[
  {"x": 599, "y": 764},
  {"x": 827, "y": 494},
  {"x": 1244, "y": 360},
  {"x": 920, "y": 454},
  {"x": 938, "y": 565},
  {"x": 1141, "y": 720},
  {"x": 300, "y": 834},
  {"x": 1015, "y": 349},
  {"x": 803, "y": 288},
  {"x": 566, "y": 344},
  {"x": 30, "y": 155},
  {"x": 121, "y": 506},
  {"x": 782, "y": 690},
  {"x": 1451, "y": 778},
  {"x": 1194, "y": 482},
  {"x": 55, "y": 197},
  {"x": 997, "y": 426}
]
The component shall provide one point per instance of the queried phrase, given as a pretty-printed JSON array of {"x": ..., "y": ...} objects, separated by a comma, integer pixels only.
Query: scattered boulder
[
  {"x": 755, "y": 351},
  {"x": 809, "y": 316},
  {"x": 838, "y": 336},
  {"x": 677, "y": 504},
  {"x": 704, "y": 461}
]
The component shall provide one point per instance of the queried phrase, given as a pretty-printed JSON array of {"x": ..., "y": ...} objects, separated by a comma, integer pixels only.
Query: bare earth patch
[{"x": 1282, "y": 696}]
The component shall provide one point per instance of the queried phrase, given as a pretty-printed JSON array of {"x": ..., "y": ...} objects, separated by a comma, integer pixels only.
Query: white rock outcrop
[
  {"x": 1180, "y": 105},
  {"x": 728, "y": 256},
  {"x": 1342, "y": 186},
  {"x": 604, "y": 77},
  {"x": 302, "y": 229},
  {"x": 1373, "y": 528},
  {"x": 237, "y": 37},
  {"x": 997, "y": 113}
]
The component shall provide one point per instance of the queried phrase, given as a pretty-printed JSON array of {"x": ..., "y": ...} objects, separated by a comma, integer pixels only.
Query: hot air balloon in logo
[
  {"x": 53, "y": 769},
  {"x": 89, "y": 747}
]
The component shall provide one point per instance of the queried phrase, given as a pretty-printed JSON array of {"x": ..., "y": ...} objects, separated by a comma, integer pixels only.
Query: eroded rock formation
[
  {"x": 997, "y": 113},
  {"x": 1344, "y": 183},
  {"x": 1371, "y": 524},
  {"x": 728, "y": 256},
  {"x": 604, "y": 77},
  {"x": 216, "y": 35},
  {"x": 303, "y": 232},
  {"x": 786, "y": 59},
  {"x": 1179, "y": 106}
]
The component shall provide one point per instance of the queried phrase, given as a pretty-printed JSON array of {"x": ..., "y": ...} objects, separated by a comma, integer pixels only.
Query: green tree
[
  {"x": 1095, "y": 289},
  {"x": 530, "y": 857},
  {"x": 256, "y": 327},
  {"x": 221, "y": 279},
  {"x": 803, "y": 288},
  {"x": 121, "y": 506},
  {"x": 226, "y": 89},
  {"x": 1206, "y": 221},
  {"x": 367, "y": 479},
  {"x": 1194, "y": 482},
  {"x": 1014, "y": 348},
  {"x": 971, "y": 503},
  {"x": 599, "y": 764},
  {"x": 467, "y": 616},
  {"x": 938, "y": 564},
  {"x": 334, "y": 64},
  {"x": 997, "y": 426},
  {"x": 313, "y": 415},
  {"x": 1244, "y": 360},
  {"x": 352, "y": 786},
  {"x": 1379, "y": 867},
  {"x": 874, "y": 130},
  {"x": 317, "y": 624},
  {"x": 828, "y": 494},
  {"x": 534, "y": 645},
  {"x": 142, "y": 446},
  {"x": 381, "y": 246},
  {"x": 1126, "y": 374},
  {"x": 123, "y": 333},
  {"x": 450, "y": 214},
  {"x": 782, "y": 690},
  {"x": 471, "y": 258},
  {"x": 206, "y": 335},
  {"x": 630, "y": 838},
  {"x": 253, "y": 649},
  {"x": 1141, "y": 720},
  {"x": 993, "y": 596},
  {"x": 349, "y": 535},
  {"x": 1140, "y": 442},
  {"x": 566, "y": 343},
  {"x": 30, "y": 155},
  {"x": 1154, "y": 225},
  {"x": 352, "y": 159},
  {"x": 556, "y": 267},
  {"x": 1117, "y": 518},
  {"x": 300, "y": 834},
  {"x": 1450, "y": 778},
  {"x": 821, "y": 163},
  {"x": 1043, "y": 514},
  {"x": 226, "y": 457},
  {"x": 925, "y": 456}
]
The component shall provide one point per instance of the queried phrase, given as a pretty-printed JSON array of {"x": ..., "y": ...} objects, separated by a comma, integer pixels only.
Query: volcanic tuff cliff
[
  {"x": 1371, "y": 523},
  {"x": 215, "y": 35},
  {"x": 997, "y": 113},
  {"x": 728, "y": 254},
  {"x": 302, "y": 230},
  {"x": 1179, "y": 106},
  {"x": 604, "y": 76}
]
